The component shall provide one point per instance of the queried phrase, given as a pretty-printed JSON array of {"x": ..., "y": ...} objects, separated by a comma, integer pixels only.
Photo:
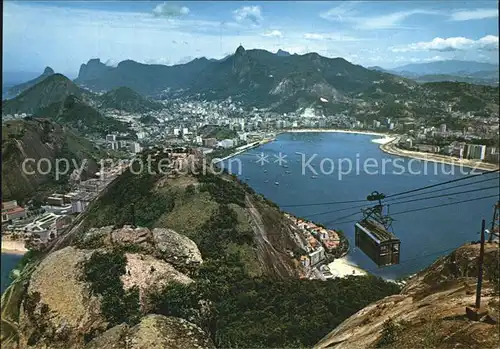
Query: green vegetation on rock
[{"x": 103, "y": 271}]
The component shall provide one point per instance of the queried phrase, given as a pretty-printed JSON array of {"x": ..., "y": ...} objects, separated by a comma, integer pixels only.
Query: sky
[{"x": 65, "y": 34}]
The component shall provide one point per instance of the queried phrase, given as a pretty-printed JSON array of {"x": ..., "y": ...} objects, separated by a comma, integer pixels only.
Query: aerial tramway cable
[
  {"x": 414, "y": 210},
  {"x": 404, "y": 192},
  {"x": 443, "y": 183},
  {"x": 407, "y": 201}
]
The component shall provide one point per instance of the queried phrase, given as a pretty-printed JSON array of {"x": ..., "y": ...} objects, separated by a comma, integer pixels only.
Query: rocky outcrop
[
  {"x": 165, "y": 244},
  {"x": 154, "y": 332},
  {"x": 60, "y": 310},
  {"x": 173, "y": 245},
  {"x": 430, "y": 311},
  {"x": 59, "y": 306}
]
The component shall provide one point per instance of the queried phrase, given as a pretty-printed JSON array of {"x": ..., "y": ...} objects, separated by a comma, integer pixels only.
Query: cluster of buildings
[
  {"x": 58, "y": 211},
  {"x": 33, "y": 228},
  {"x": 126, "y": 145},
  {"x": 443, "y": 141},
  {"x": 315, "y": 240}
]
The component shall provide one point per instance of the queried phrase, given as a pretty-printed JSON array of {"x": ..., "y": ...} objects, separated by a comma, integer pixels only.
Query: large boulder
[
  {"x": 154, "y": 332},
  {"x": 175, "y": 247}
]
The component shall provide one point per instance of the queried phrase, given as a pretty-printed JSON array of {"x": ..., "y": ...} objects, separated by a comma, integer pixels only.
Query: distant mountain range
[
  {"x": 450, "y": 70},
  {"x": 277, "y": 80},
  {"x": 253, "y": 78},
  {"x": 146, "y": 79},
  {"x": 449, "y": 67}
]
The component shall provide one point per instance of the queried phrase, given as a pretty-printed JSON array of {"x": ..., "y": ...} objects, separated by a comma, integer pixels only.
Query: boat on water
[
  {"x": 285, "y": 166},
  {"x": 298, "y": 153},
  {"x": 314, "y": 177},
  {"x": 277, "y": 183},
  {"x": 288, "y": 171},
  {"x": 266, "y": 181},
  {"x": 265, "y": 171}
]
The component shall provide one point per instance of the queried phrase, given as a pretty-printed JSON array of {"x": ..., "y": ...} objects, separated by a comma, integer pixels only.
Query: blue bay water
[
  {"x": 425, "y": 235},
  {"x": 9, "y": 261}
]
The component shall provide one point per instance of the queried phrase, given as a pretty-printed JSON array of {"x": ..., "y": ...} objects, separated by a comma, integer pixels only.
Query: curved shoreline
[
  {"x": 335, "y": 130},
  {"x": 391, "y": 148}
]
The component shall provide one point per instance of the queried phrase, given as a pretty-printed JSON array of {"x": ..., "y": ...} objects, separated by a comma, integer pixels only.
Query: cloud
[
  {"x": 339, "y": 12},
  {"x": 391, "y": 20},
  {"x": 480, "y": 13},
  {"x": 487, "y": 43},
  {"x": 347, "y": 13},
  {"x": 169, "y": 10},
  {"x": 250, "y": 13},
  {"x": 329, "y": 37},
  {"x": 273, "y": 34}
]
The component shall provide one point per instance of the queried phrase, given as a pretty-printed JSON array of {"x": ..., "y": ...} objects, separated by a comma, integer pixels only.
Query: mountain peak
[
  {"x": 240, "y": 50},
  {"x": 48, "y": 71},
  {"x": 282, "y": 53}
]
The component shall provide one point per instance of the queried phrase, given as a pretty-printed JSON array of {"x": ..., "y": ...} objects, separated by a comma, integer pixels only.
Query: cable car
[
  {"x": 373, "y": 234},
  {"x": 376, "y": 242}
]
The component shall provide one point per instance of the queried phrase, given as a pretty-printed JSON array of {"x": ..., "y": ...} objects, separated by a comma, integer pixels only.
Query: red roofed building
[{"x": 11, "y": 211}]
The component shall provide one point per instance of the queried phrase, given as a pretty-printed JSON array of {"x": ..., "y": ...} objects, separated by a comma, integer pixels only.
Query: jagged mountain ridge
[
  {"x": 17, "y": 89},
  {"x": 247, "y": 74},
  {"x": 146, "y": 79}
]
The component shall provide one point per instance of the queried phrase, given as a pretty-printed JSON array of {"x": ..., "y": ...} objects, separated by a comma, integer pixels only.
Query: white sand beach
[
  {"x": 13, "y": 246},
  {"x": 341, "y": 267}
]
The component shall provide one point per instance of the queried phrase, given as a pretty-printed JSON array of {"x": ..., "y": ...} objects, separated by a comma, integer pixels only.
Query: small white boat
[
  {"x": 266, "y": 181},
  {"x": 277, "y": 183},
  {"x": 314, "y": 177}
]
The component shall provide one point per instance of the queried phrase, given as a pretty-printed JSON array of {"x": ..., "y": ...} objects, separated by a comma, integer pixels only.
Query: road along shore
[{"x": 391, "y": 148}]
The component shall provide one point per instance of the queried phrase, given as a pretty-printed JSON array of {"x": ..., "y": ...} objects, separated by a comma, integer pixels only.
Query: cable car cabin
[{"x": 377, "y": 243}]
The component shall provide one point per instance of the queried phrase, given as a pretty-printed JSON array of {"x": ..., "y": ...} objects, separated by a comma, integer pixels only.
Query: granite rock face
[
  {"x": 59, "y": 309},
  {"x": 154, "y": 332}
]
